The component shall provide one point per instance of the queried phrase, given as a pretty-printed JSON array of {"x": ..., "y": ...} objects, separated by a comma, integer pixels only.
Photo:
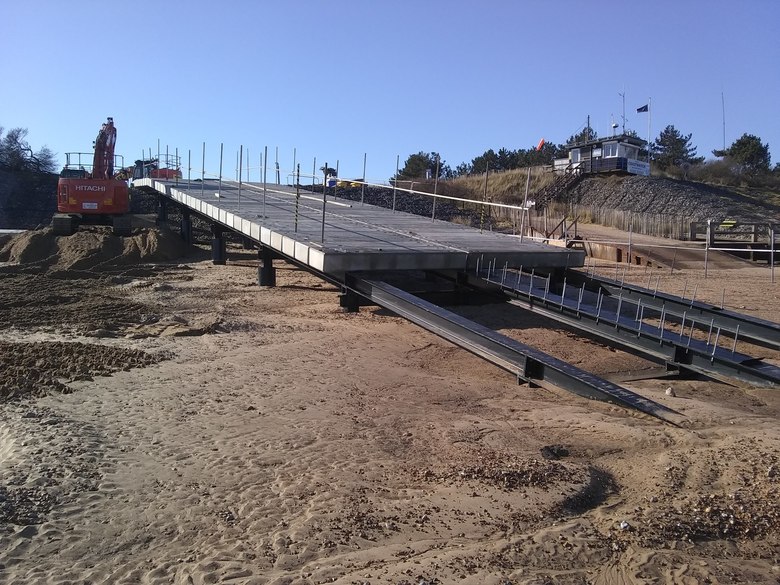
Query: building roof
[{"x": 625, "y": 138}]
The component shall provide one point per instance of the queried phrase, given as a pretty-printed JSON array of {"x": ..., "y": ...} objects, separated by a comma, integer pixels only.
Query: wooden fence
[{"x": 652, "y": 224}]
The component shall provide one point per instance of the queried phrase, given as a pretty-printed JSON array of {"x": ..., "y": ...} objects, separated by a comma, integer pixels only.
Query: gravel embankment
[{"x": 695, "y": 201}]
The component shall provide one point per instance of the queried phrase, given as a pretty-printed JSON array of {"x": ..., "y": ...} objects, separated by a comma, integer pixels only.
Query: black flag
[{"x": 644, "y": 108}]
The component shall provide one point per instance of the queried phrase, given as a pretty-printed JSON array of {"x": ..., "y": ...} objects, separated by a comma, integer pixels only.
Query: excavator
[{"x": 93, "y": 194}]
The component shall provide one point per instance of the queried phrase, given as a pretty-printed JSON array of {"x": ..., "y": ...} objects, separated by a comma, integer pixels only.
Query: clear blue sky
[{"x": 341, "y": 78}]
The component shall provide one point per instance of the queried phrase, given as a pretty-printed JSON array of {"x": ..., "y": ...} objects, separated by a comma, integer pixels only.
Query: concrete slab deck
[{"x": 357, "y": 237}]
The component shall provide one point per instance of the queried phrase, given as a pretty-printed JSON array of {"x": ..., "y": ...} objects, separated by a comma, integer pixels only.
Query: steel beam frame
[
  {"x": 527, "y": 363},
  {"x": 602, "y": 315},
  {"x": 758, "y": 331}
]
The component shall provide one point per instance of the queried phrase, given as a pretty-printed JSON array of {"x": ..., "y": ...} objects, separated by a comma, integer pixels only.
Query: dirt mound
[{"x": 91, "y": 249}]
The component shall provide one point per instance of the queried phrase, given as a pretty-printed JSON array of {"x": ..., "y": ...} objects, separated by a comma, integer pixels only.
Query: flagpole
[{"x": 649, "y": 122}]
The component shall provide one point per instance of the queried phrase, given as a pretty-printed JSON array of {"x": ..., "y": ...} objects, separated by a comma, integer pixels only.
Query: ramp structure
[
  {"x": 336, "y": 236},
  {"x": 352, "y": 244}
]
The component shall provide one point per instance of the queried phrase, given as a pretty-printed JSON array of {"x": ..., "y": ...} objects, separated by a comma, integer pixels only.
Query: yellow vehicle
[{"x": 347, "y": 184}]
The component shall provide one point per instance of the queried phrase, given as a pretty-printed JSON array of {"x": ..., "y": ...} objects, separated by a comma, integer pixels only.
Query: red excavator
[{"x": 93, "y": 193}]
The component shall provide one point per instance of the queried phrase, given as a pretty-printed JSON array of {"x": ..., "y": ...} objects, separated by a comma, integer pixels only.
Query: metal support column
[
  {"x": 349, "y": 301},
  {"x": 218, "y": 253},
  {"x": 162, "y": 210},
  {"x": 266, "y": 273},
  {"x": 186, "y": 226}
]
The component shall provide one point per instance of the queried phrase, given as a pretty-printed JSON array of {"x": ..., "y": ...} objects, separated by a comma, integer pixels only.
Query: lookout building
[{"x": 605, "y": 155}]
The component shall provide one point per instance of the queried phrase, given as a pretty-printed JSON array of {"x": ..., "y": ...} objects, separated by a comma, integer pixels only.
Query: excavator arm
[{"x": 103, "y": 162}]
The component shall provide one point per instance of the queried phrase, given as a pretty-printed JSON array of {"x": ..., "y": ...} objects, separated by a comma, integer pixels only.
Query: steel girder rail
[
  {"x": 624, "y": 321},
  {"x": 758, "y": 331},
  {"x": 527, "y": 363}
]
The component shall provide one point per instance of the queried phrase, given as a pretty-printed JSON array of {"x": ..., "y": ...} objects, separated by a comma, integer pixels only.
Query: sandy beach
[{"x": 164, "y": 420}]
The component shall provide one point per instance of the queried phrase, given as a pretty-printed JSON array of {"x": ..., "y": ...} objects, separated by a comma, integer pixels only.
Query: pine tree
[
  {"x": 672, "y": 148},
  {"x": 749, "y": 153}
]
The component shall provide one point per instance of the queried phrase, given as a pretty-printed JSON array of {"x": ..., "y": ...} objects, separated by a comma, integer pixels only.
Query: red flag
[{"x": 541, "y": 143}]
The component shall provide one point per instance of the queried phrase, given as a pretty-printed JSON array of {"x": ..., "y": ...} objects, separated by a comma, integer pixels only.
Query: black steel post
[
  {"x": 218, "y": 252},
  {"x": 186, "y": 226},
  {"x": 162, "y": 210},
  {"x": 266, "y": 273}
]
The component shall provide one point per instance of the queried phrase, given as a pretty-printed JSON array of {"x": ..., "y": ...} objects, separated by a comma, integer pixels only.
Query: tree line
[
  {"x": 16, "y": 154},
  {"x": 747, "y": 156}
]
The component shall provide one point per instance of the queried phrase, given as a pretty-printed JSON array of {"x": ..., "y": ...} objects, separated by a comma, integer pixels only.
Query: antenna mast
[
  {"x": 723, "y": 105},
  {"x": 623, "y": 117}
]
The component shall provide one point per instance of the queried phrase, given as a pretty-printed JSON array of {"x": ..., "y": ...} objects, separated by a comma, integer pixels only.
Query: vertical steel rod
[
  {"x": 661, "y": 324},
  {"x": 707, "y": 245},
  {"x": 278, "y": 177},
  {"x": 297, "y": 193},
  {"x": 563, "y": 294},
  {"x": 395, "y": 179},
  {"x": 265, "y": 177},
  {"x": 641, "y": 320},
  {"x": 484, "y": 199},
  {"x": 202, "y": 170},
  {"x": 736, "y": 335},
  {"x": 772, "y": 251},
  {"x": 435, "y": 189},
  {"x": 598, "y": 308},
  {"x": 363, "y": 183},
  {"x": 324, "y": 197},
  {"x": 220, "y": 168},
  {"x": 240, "y": 172},
  {"x": 715, "y": 346}
]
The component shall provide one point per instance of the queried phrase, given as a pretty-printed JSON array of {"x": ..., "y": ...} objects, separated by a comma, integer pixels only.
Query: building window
[{"x": 610, "y": 149}]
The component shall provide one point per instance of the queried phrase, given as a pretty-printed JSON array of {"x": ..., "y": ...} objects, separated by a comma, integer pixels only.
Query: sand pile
[{"x": 91, "y": 249}]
